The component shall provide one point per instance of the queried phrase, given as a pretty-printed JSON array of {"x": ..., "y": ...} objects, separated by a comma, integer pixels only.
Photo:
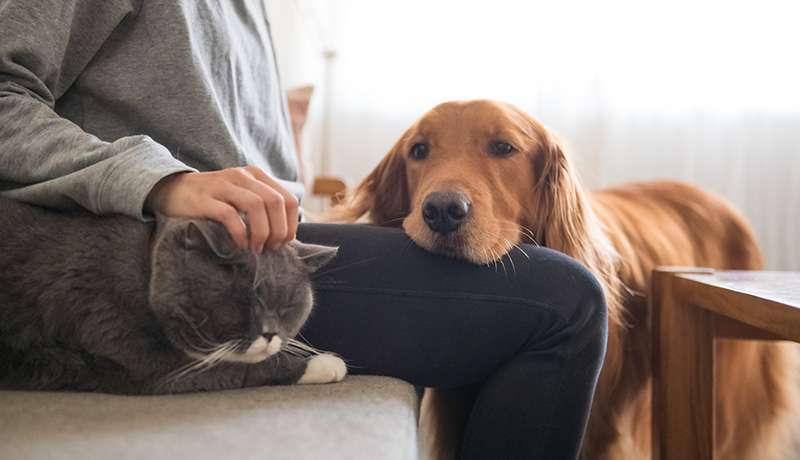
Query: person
[{"x": 175, "y": 108}]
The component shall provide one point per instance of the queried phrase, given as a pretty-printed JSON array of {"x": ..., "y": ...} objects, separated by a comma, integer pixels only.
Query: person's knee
[
  {"x": 591, "y": 299},
  {"x": 588, "y": 323},
  {"x": 570, "y": 290}
]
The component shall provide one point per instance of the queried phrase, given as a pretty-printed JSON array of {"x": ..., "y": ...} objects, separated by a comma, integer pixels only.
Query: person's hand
[{"x": 221, "y": 195}]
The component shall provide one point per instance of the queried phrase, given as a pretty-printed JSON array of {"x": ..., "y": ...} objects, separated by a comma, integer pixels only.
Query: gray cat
[{"x": 115, "y": 305}]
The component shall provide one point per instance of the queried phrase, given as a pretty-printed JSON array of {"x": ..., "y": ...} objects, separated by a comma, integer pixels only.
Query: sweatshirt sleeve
[{"x": 46, "y": 159}]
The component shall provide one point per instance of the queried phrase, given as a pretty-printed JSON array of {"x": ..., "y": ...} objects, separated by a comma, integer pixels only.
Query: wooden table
[{"x": 692, "y": 307}]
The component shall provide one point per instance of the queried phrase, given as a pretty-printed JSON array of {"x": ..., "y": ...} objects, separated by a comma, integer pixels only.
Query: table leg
[{"x": 683, "y": 375}]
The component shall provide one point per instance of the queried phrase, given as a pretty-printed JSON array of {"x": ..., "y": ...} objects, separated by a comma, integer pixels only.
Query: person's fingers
[
  {"x": 278, "y": 228},
  {"x": 220, "y": 195},
  {"x": 255, "y": 199},
  {"x": 252, "y": 204},
  {"x": 288, "y": 207},
  {"x": 292, "y": 217},
  {"x": 228, "y": 216},
  {"x": 273, "y": 197},
  {"x": 274, "y": 233}
]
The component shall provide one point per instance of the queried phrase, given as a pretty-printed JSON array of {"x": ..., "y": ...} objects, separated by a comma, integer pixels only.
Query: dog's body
[{"x": 473, "y": 179}]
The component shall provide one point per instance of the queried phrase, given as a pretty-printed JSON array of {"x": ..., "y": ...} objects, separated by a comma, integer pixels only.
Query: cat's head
[{"x": 217, "y": 301}]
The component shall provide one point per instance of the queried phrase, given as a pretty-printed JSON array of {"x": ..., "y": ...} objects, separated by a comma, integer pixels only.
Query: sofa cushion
[{"x": 358, "y": 418}]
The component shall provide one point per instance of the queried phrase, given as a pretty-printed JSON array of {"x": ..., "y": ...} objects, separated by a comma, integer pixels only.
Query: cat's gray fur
[{"x": 82, "y": 306}]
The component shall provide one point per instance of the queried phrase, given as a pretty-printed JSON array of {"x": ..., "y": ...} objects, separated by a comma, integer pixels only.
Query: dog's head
[{"x": 471, "y": 180}]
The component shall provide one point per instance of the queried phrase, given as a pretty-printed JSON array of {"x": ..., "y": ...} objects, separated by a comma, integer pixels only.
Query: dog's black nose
[{"x": 445, "y": 211}]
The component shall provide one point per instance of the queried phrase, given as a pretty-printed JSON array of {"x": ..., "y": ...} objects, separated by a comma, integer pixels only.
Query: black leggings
[{"x": 529, "y": 333}]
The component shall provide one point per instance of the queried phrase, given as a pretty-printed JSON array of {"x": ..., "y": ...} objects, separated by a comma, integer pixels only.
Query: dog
[{"x": 474, "y": 179}]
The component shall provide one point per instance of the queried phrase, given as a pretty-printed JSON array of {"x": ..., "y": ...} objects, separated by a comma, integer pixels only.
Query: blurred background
[{"x": 702, "y": 91}]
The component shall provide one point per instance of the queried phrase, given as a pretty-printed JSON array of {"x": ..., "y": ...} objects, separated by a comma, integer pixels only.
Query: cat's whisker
[
  {"x": 217, "y": 355},
  {"x": 195, "y": 347},
  {"x": 212, "y": 346},
  {"x": 171, "y": 380},
  {"x": 225, "y": 351},
  {"x": 297, "y": 348}
]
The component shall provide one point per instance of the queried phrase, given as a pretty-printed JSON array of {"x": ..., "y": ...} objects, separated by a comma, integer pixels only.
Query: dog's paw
[{"x": 324, "y": 368}]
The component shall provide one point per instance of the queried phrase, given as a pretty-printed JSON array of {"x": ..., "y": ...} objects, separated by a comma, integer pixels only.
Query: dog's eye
[
  {"x": 501, "y": 149},
  {"x": 419, "y": 151}
]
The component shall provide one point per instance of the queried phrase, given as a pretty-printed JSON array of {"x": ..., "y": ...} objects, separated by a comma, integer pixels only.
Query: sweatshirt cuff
[{"x": 126, "y": 185}]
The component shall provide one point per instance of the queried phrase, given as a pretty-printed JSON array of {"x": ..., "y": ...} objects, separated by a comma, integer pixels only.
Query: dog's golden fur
[{"x": 533, "y": 195}]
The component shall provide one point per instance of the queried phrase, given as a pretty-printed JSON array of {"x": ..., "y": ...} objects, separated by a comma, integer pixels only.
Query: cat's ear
[
  {"x": 314, "y": 256},
  {"x": 209, "y": 235}
]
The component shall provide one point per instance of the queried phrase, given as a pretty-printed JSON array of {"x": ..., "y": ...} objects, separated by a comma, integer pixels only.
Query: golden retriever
[{"x": 473, "y": 179}]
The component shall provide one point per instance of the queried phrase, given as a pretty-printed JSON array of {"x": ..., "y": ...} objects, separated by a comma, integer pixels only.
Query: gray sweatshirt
[{"x": 100, "y": 99}]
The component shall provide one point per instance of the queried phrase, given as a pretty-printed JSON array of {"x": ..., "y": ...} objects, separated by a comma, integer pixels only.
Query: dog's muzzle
[{"x": 444, "y": 212}]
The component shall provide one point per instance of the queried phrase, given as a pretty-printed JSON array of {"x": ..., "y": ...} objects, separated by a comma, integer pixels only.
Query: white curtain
[{"x": 702, "y": 91}]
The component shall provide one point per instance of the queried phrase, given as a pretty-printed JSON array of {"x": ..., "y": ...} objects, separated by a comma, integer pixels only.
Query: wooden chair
[{"x": 330, "y": 187}]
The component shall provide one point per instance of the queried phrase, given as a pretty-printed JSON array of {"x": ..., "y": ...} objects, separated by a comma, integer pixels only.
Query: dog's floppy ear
[
  {"x": 564, "y": 220},
  {"x": 382, "y": 197},
  {"x": 565, "y": 217}
]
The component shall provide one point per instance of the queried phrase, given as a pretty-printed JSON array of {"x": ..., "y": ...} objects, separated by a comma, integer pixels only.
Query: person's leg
[{"x": 529, "y": 331}]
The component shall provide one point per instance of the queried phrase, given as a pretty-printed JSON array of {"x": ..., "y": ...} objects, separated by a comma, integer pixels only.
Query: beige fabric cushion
[{"x": 359, "y": 418}]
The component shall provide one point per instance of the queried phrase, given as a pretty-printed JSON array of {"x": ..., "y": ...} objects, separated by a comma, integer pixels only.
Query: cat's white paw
[{"x": 324, "y": 368}]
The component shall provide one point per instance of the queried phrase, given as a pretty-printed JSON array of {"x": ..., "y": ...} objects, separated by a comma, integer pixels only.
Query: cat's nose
[{"x": 268, "y": 335}]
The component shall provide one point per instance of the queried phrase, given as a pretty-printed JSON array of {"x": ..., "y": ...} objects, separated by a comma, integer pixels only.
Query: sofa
[{"x": 362, "y": 417}]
